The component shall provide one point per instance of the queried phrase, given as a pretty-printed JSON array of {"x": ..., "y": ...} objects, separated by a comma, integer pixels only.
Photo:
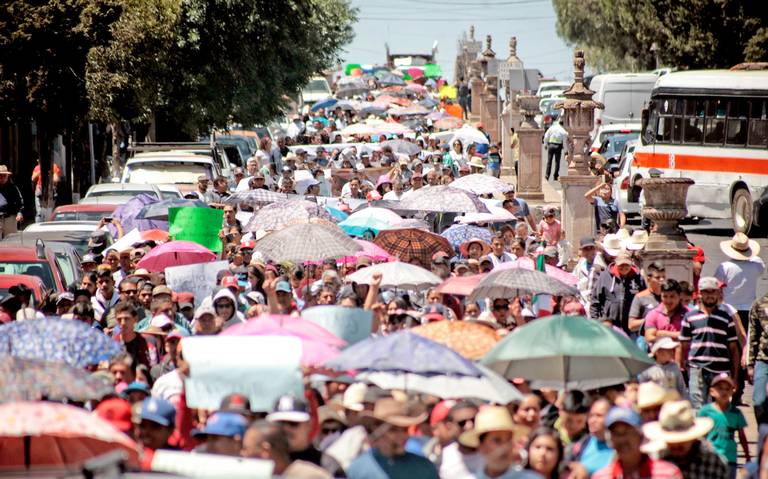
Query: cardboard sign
[
  {"x": 198, "y": 279},
  {"x": 200, "y": 225},
  {"x": 350, "y": 324}
]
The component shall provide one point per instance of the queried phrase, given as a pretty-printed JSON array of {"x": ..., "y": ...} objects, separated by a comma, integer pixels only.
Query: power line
[{"x": 463, "y": 20}]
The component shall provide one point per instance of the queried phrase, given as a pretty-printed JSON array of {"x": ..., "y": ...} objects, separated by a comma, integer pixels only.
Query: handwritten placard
[{"x": 350, "y": 324}]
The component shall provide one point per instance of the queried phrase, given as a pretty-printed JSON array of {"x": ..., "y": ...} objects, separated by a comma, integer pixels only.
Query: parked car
[
  {"x": 118, "y": 193},
  {"x": 618, "y": 134},
  {"x": 210, "y": 149},
  {"x": 66, "y": 256},
  {"x": 75, "y": 233},
  {"x": 625, "y": 187},
  {"x": 38, "y": 260},
  {"x": 83, "y": 212},
  {"x": 8, "y": 281},
  {"x": 180, "y": 169}
]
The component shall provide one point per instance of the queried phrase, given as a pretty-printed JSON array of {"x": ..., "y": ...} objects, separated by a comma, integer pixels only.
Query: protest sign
[
  {"x": 210, "y": 465},
  {"x": 200, "y": 225},
  {"x": 198, "y": 279},
  {"x": 261, "y": 367},
  {"x": 350, "y": 324}
]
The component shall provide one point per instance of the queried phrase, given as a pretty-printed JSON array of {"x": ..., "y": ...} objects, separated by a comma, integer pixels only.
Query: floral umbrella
[
  {"x": 458, "y": 234},
  {"x": 443, "y": 199},
  {"x": 30, "y": 380},
  {"x": 277, "y": 215}
]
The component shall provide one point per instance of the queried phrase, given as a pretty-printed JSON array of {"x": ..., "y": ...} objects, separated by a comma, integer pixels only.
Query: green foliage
[{"x": 618, "y": 34}]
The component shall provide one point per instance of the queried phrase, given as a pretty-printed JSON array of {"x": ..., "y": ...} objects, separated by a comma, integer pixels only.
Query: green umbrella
[{"x": 567, "y": 352}]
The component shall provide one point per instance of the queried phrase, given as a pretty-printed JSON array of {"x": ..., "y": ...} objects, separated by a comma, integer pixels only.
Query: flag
[
  {"x": 199, "y": 225},
  {"x": 542, "y": 303}
]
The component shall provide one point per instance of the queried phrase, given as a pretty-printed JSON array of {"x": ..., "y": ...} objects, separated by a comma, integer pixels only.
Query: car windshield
[
  {"x": 615, "y": 141},
  {"x": 317, "y": 86},
  {"x": 66, "y": 267},
  {"x": 40, "y": 269},
  {"x": 167, "y": 172},
  {"x": 81, "y": 215},
  {"x": 169, "y": 195}
]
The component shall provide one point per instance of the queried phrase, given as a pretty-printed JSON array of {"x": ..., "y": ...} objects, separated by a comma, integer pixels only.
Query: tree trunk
[{"x": 115, "y": 126}]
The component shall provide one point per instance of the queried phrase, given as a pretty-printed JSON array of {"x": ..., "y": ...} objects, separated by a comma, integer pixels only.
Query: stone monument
[
  {"x": 529, "y": 166},
  {"x": 510, "y": 116}
]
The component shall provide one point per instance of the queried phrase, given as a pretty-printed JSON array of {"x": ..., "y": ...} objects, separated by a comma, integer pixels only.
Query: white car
[
  {"x": 617, "y": 133},
  {"x": 625, "y": 181},
  {"x": 177, "y": 168},
  {"x": 118, "y": 193},
  {"x": 551, "y": 88}
]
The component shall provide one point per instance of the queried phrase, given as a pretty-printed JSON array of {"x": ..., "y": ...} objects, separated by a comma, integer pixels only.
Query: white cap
[
  {"x": 664, "y": 343},
  {"x": 354, "y": 396}
]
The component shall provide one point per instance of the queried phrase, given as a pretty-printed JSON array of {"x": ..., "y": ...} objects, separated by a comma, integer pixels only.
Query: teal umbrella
[{"x": 567, "y": 352}]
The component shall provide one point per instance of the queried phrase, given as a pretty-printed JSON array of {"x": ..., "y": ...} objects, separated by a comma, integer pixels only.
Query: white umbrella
[
  {"x": 480, "y": 184},
  {"x": 397, "y": 275},
  {"x": 489, "y": 387},
  {"x": 468, "y": 135}
]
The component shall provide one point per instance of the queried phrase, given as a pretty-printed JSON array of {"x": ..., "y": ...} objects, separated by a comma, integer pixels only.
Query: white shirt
[
  {"x": 505, "y": 257},
  {"x": 392, "y": 195},
  {"x": 740, "y": 278},
  {"x": 454, "y": 464},
  {"x": 556, "y": 134}
]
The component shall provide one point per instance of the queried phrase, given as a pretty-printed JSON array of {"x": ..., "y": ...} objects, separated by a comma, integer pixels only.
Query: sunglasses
[{"x": 500, "y": 306}]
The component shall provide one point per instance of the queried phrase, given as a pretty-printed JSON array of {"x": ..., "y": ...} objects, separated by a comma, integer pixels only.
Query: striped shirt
[{"x": 710, "y": 336}]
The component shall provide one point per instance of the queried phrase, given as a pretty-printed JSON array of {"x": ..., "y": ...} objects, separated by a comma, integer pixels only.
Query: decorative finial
[
  {"x": 488, "y": 52},
  {"x": 578, "y": 64},
  {"x": 513, "y": 47},
  {"x": 471, "y": 32}
]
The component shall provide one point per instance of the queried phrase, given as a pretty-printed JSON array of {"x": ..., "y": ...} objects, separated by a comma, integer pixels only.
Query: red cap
[
  {"x": 440, "y": 412},
  {"x": 247, "y": 244},
  {"x": 230, "y": 282},
  {"x": 118, "y": 412},
  {"x": 184, "y": 297}
]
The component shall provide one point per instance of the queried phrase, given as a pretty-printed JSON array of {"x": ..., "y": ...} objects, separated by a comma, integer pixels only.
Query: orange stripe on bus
[{"x": 721, "y": 164}]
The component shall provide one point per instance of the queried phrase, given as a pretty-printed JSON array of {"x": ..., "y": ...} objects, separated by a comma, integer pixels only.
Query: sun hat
[
  {"x": 740, "y": 247},
  {"x": 476, "y": 162},
  {"x": 611, "y": 244},
  {"x": 651, "y": 394},
  {"x": 4, "y": 170},
  {"x": 637, "y": 241},
  {"x": 464, "y": 247},
  {"x": 623, "y": 234},
  {"x": 492, "y": 419},
  {"x": 354, "y": 397},
  {"x": 162, "y": 289},
  {"x": 396, "y": 413},
  {"x": 289, "y": 408},
  {"x": 663, "y": 343},
  {"x": 677, "y": 423}
]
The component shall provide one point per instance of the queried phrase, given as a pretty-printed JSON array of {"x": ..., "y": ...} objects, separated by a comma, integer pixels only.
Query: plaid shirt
[
  {"x": 758, "y": 331},
  {"x": 701, "y": 463}
]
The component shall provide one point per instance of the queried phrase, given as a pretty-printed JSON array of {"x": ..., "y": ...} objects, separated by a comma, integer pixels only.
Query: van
[
  {"x": 624, "y": 96},
  {"x": 317, "y": 89}
]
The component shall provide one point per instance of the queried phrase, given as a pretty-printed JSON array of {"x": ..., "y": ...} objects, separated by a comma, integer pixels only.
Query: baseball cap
[
  {"x": 289, "y": 409},
  {"x": 485, "y": 259},
  {"x": 441, "y": 411},
  {"x": 708, "y": 282},
  {"x": 587, "y": 241},
  {"x": 65, "y": 297},
  {"x": 230, "y": 282},
  {"x": 203, "y": 310},
  {"x": 283, "y": 286},
  {"x": 162, "y": 289},
  {"x": 88, "y": 258},
  {"x": 137, "y": 386},
  {"x": 664, "y": 343},
  {"x": 433, "y": 312},
  {"x": 624, "y": 415},
  {"x": 116, "y": 411},
  {"x": 247, "y": 244},
  {"x": 722, "y": 377},
  {"x": 158, "y": 411},
  {"x": 235, "y": 402},
  {"x": 441, "y": 257},
  {"x": 256, "y": 297},
  {"x": 228, "y": 424}
]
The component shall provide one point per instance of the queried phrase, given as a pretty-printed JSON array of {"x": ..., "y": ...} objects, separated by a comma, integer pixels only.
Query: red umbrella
[
  {"x": 459, "y": 285},
  {"x": 158, "y": 236},
  {"x": 175, "y": 253}
]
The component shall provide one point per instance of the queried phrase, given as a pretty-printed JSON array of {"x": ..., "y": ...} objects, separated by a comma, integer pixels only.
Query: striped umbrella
[
  {"x": 508, "y": 283},
  {"x": 458, "y": 234},
  {"x": 443, "y": 199},
  {"x": 255, "y": 197},
  {"x": 307, "y": 242},
  {"x": 411, "y": 244},
  {"x": 480, "y": 184},
  {"x": 277, "y": 215}
]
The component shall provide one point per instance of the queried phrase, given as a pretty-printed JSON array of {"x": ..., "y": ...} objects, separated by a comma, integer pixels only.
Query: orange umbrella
[
  {"x": 158, "y": 236},
  {"x": 471, "y": 340}
]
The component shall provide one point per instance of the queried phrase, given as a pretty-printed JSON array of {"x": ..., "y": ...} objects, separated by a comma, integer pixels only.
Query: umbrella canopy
[
  {"x": 482, "y": 184},
  {"x": 30, "y": 380},
  {"x": 126, "y": 214},
  {"x": 408, "y": 110},
  {"x": 255, "y": 197},
  {"x": 429, "y": 102},
  {"x": 158, "y": 236},
  {"x": 49, "y": 434},
  {"x": 370, "y": 219},
  {"x": 471, "y": 340},
  {"x": 567, "y": 352},
  {"x": 278, "y": 215},
  {"x": 458, "y": 234},
  {"x": 397, "y": 275},
  {"x": 327, "y": 103},
  {"x": 359, "y": 129},
  {"x": 469, "y": 135},
  {"x": 450, "y": 123},
  {"x": 413, "y": 244},
  {"x": 391, "y": 80},
  {"x": 175, "y": 253},
  {"x": 403, "y": 351},
  {"x": 57, "y": 340},
  {"x": 369, "y": 250},
  {"x": 373, "y": 110},
  {"x": 402, "y": 146},
  {"x": 443, "y": 199},
  {"x": 392, "y": 128},
  {"x": 307, "y": 242},
  {"x": 496, "y": 215},
  {"x": 529, "y": 264},
  {"x": 460, "y": 285},
  {"x": 508, "y": 283},
  {"x": 439, "y": 115},
  {"x": 159, "y": 210},
  {"x": 488, "y": 387}
]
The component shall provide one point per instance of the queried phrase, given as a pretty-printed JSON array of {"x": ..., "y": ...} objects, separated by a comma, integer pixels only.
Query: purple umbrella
[{"x": 126, "y": 214}]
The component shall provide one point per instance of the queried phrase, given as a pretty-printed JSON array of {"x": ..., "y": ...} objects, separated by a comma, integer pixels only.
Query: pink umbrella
[
  {"x": 528, "y": 263},
  {"x": 175, "y": 253},
  {"x": 359, "y": 129},
  {"x": 370, "y": 250},
  {"x": 317, "y": 343},
  {"x": 415, "y": 87},
  {"x": 391, "y": 128},
  {"x": 416, "y": 72},
  {"x": 460, "y": 285}
]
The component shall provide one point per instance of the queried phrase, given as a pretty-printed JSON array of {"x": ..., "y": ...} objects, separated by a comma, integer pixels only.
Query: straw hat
[
  {"x": 637, "y": 241},
  {"x": 612, "y": 244},
  {"x": 491, "y": 419},
  {"x": 464, "y": 247},
  {"x": 396, "y": 413},
  {"x": 650, "y": 394},
  {"x": 476, "y": 162},
  {"x": 740, "y": 247},
  {"x": 4, "y": 170},
  {"x": 623, "y": 234},
  {"x": 677, "y": 423}
]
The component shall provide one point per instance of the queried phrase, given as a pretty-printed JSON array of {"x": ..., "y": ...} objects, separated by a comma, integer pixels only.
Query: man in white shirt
[
  {"x": 740, "y": 273},
  {"x": 498, "y": 255},
  {"x": 555, "y": 139},
  {"x": 396, "y": 193},
  {"x": 252, "y": 166}
]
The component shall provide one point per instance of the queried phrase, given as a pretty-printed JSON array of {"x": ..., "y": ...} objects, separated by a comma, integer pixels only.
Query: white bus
[{"x": 711, "y": 126}]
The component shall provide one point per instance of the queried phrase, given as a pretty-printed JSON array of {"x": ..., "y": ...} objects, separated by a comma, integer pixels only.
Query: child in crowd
[
  {"x": 666, "y": 373},
  {"x": 550, "y": 229},
  {"x": 728, "y": 419},
  {"x": 494, "y": 161}
]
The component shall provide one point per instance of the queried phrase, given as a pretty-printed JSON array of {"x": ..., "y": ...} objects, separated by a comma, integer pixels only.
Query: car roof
[
  {"x": 26, "y": 279},
  {"x": 15, "y": 252},
  {"x": 111, "y": 199},
  {"x": 62, "y": 226},
  {"x": 172, "y": 158},
  {"x": 120, "y": 187},
  {"x": 106, "y": 207},
  {"x": 620, "y": 126}
]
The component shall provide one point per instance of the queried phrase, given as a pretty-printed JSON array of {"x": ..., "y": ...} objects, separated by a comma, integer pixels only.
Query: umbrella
[
  {"x": 327, "y": 103},
  {"x": 448, "y": 123},
  {"x": 508, "y": 283},
  {"x": 439, "y": 115},
  {"x": 443, "y": 199},
  {"x": 372, "y": 110},
  {"x": 126, "y": 214},
  {"x": 175, "y": 253},
  {"x": 255, "y": 197},
  {"x": 159, "y": 210},
  {"x": 471, "y": 340},
  {"x": 460, "y": 285},
  {"x": 347, "y": 105},
  {"x": 370, "y": 219},
  {"x": 369, "y": 250},
  {"x": 416, "y": 88},
  {"x": 412, "y": 243},
  {"x": 408, "y": 110},
  {"x": 567, "y": 352},
  {"x": 529, "y": 264},
  {"x": 429, "y": 103},
  {"x": 351, "y": 90},
  {"x": 30, "y": 380},
  {"x": 359, "y": 129},
  {"x": 278, "y": 215},
  {"x": 402, "y": 146},
  {"x": 392, "y": 128},
  {"x": 57, "y": 340},
  {"x": 482, "y": 184},
  {"x": 51, "y": 434},
  {"x": 458, "y": 234},
  {"x": 307, "y": 242},
  {"x": 158, "y": 236},
  {"x": 496, "y": 215},
  {"x": 403, "y": 351},
  {"x": 391, "y": 80},
  {"x": 336, "y": 213},
  {"x": 469, "y": 135},
  {"x": 397, "y": 275},
  {"x": 489, "y": 387}
]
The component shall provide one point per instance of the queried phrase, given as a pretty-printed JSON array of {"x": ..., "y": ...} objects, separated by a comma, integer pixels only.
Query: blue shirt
[
  {"x": 372, "y": 465},
  {"x": 596, "y": 455}
]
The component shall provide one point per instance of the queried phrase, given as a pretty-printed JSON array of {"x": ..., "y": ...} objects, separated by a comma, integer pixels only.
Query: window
[
  {"x": 694, "y": 121},
  {"x": 714, "y": 124},
  {"x": 758, "y": 124},
  {"x": 736, "y": 131}
]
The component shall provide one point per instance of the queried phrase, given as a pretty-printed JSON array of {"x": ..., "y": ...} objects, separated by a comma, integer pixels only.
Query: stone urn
[
  {"x": 665, "y": 205},
  {"x": 529, "y": 108}
]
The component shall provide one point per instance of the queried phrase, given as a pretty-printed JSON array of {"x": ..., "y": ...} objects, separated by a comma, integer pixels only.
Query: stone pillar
[
  {"x": 530, "y": 135},
  {"x": 665, "y": 205},
  {"x": 477, "y": 87},
  {"x": 490, "y": 110},
  {"x": 511, "y": 116}
]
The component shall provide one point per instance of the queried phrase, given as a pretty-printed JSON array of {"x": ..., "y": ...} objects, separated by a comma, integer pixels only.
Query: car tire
[{"x": 742, "y": 211}]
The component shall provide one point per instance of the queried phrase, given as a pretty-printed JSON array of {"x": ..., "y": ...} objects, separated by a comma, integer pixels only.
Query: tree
[{"x": 688, "y": 33}]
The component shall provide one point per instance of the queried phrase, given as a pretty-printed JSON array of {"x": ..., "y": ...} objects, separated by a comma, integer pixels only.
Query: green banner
[{"x": 199, "y": 225}]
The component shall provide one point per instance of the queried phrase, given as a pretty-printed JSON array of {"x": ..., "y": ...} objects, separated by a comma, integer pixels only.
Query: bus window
[
  {"x": 694, "y": 121},
  {"x": 714, "y": 126},
  {"x": 737, "y": 123},
  {"x": 758, "y": 124}
]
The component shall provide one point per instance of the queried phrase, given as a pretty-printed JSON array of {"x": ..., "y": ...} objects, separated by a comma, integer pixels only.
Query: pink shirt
[
  {"x": 657, "y": 319},
  {"x": 550, "y": 232}
]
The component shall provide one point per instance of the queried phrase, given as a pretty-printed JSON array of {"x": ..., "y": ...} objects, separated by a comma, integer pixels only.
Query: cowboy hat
[
  {"x": 650, "y": 394},
  {"x": 464, "y": 247},
  {"x": 4, "y": 170},
  {"x": 491, "y": 419},
  {"x": 677, "y": 423},
  {"x": 637, "y": 241},
  {"x": 395, "y": 413},
  {"x": 740, "y": 247},
  {"x": 611, "y": 244},
  {"x": 623, "y": 234},
  {"x": 476, "y": 162}
]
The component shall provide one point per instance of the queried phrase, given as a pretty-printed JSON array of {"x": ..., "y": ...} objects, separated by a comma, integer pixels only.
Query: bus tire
[{"x": 742, "y": 212}]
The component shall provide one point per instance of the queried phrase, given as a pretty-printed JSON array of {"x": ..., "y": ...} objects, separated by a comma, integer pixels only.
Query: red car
[
  {"x": 7, "y": 281},
  {"x": 82, "y": 212},
  {"x": 32, "y": 261}
]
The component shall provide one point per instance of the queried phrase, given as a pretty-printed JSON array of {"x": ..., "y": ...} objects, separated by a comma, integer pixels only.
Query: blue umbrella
[
  {"x": 57, "y": 340},
  {"x": 336, "y": 213},
  {"x": 403, "y": 351},
  {"x": 458, "y": 234},
  {"x": 428, "y": 103},
  {"x": 328, "y": 102},
  {"x": 159, "y": 210}
]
